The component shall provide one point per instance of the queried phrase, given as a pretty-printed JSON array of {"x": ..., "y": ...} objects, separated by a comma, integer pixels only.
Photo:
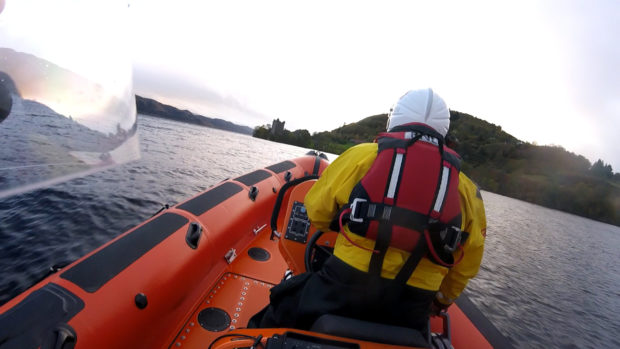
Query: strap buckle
[
  {"x": 352, "y": 217},
  {"x": 451, "y": 238}
]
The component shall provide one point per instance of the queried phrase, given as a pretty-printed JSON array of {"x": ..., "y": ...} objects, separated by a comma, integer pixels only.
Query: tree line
[{"x": 549, "y": 176}]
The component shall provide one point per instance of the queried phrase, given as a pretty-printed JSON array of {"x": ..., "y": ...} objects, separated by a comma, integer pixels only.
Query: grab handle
[
  {"x": 193, "y": 235},
  {"x": 65, "y": 337}
]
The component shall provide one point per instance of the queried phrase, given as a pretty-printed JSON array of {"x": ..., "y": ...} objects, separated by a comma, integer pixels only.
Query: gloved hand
[{"x": 438, "y": 307}]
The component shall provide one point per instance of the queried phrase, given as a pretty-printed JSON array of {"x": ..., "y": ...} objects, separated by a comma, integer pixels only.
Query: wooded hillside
[{"x": 546, "y": 175}]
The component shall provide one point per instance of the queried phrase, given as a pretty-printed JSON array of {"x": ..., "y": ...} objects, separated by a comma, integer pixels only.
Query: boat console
[{"x": 303, "y": 246}]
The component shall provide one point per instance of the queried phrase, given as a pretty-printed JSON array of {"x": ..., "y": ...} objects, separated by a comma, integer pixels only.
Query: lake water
[{"x": 548, "y": 279}]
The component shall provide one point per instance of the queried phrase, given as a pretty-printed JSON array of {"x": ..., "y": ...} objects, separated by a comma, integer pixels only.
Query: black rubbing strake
[
  {"x": 93, "y": 272},
  {"x": 253, "y": 177},
  {"x": 207, "y": 200}
]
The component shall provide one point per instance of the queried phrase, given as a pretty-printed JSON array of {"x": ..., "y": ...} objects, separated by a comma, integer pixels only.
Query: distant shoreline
[{"x": 151, "y": 107}]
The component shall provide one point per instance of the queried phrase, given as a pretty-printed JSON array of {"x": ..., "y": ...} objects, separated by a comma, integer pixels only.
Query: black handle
[
  {"x": 65, "y": 337},
  {"x": 253, "y": 193},
  {"x": 193, "y": 235}
]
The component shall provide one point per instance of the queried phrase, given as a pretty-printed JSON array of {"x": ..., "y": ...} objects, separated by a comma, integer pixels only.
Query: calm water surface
[{"x": 548, "y": 279}]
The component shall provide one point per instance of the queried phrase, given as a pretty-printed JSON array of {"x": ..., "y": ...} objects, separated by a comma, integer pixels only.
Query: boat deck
[{"x": 241, "y": 292}]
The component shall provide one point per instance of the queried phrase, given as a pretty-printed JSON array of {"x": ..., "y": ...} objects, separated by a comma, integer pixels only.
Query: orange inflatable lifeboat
[{"x": 194, "y": 274}]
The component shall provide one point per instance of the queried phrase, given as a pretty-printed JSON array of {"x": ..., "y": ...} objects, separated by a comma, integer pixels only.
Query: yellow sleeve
[
  {"x": 333, "y": 188},
  {"x": 474, "y": 222}
]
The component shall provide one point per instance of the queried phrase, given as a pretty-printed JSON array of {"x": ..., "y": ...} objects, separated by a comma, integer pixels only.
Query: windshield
[{"x": 66, "y": 100}]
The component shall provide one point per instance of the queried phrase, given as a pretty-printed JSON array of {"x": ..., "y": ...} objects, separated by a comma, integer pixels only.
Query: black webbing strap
[
  {"x": 464, "y": 236},
  {"x": 453, "y": 160},
  {"x": 395, "y": 215},
  {"x": 384, "y": 236},
  {"x": 381, "y": 212},
  {"x": 389, "y": 215},
  {"x": 388, "y": 142},
  {"x": 412, "y": 262},
  {"x": 317, "y": 165},
  {"x": 418, "y": 129}
]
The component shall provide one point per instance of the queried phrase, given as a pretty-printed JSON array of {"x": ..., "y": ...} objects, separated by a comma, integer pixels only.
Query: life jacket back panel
[{"x": 412, "y": 182}]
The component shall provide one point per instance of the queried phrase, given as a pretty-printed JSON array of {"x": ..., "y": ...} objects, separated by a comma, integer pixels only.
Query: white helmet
[{"x": 421, "y": 106}]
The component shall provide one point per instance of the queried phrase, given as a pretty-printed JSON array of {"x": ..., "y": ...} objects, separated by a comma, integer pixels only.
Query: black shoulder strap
[
  {"x": 453, "y": 159},
  {"x": 412, "y": 262},
  {"x": 384, "y": 236},
  {"x": 418, "y": 128}
]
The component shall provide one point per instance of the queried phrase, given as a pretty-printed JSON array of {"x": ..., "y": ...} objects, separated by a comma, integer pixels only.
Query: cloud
[
  {"x": 545, "y": 71},
  {"x": 587, "y": 35}
]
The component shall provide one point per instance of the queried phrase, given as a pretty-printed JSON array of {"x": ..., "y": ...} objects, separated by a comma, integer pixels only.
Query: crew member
[{"x": 412, "y": 227}]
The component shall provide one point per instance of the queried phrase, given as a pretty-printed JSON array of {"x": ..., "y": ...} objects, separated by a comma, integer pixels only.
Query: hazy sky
[{"x": 546, "y": 71}]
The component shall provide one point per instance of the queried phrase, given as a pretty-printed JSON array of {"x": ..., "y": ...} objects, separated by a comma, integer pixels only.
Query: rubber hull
[{"x": 182, "y": 278}]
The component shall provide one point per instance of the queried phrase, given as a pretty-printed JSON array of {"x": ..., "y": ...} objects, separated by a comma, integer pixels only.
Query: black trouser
[{"x": 340, "y": 289}]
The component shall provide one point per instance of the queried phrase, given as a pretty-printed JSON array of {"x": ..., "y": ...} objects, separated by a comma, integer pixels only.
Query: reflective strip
[
  {"x": 429, "y": 139},
  {"x": 424, "y": 138},
  {"x": 395, "y": 172},
  {"x": 442, "y": 189}
]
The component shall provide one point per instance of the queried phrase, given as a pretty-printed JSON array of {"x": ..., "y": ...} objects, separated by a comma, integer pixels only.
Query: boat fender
[
  {"x": 141, "y": 301},
  {"x": 193, "y": 235}
]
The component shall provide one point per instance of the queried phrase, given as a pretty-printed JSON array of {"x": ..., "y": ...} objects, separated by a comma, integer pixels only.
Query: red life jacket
[{"x": 409, "y": 198}]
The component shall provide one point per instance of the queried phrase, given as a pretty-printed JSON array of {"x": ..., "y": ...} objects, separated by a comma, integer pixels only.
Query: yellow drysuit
[{"x": 332, "y": 191}]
